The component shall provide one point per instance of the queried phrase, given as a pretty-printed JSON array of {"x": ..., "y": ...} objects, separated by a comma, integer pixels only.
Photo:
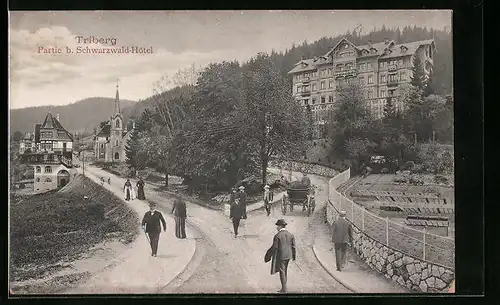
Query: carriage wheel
[
  {"x": 283, "y": 206},
  {"x": 291, "y": 206}
]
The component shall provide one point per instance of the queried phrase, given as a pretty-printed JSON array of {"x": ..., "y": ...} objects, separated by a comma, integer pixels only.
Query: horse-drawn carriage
[{"x": 299, "y": 193}]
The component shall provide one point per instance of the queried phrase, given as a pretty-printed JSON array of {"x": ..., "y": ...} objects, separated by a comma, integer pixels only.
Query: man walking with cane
[
  {"x": 152, "y": 227},
  {"x": 342, "y": 238},
  {"x": 282, "y": 250}
]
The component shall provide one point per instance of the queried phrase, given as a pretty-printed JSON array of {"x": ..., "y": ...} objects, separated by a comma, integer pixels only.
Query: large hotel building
[{"x": 379, "y": 67}]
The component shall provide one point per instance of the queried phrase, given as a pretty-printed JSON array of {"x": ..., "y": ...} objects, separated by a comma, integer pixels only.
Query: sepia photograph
[{"x": 231, "y": 152}]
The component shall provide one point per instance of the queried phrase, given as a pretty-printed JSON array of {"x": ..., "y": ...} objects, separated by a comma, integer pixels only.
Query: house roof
[
  {"x": 310, "y": 64},
  {"x": 105, "y": 131},
  {"x": 411, "y": 47},
  {"x": 51, "y": 122}
]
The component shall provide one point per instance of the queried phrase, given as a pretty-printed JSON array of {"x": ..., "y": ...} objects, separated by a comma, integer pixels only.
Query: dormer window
[
  {"x": 346, "y": 46},
  {"x": 365, "y": 52},
  {"x": 373, "y": 50},
  {"x": 403, "y": 49}
]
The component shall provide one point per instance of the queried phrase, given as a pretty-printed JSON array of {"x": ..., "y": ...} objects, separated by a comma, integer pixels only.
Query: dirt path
[{"x": 224, "y": 264}]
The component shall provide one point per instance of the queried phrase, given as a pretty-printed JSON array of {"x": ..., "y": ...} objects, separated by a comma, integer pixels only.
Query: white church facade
[{"x": 110, "y": 141}]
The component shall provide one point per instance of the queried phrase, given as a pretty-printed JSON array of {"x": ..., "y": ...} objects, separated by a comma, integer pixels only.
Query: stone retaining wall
[
  {"x": 305, "y": 168},
  {"x": 407, "y": 271}
]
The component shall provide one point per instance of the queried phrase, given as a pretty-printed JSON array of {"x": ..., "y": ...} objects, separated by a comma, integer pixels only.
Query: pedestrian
[
  {"x": 306, "y": 181},
  {"x": 132, "y": 192},
  {"x": 236, "y": 214},
  {"x": 342, "y": 238},
  {"x": 140, "y": 189},
  {"x": 102, "y": 181},
  {"x": 281, "y": 252},
  {"x": 267, "y": 199},
  {"x": 109, "y": 180},
  {"x": 152, "y": 226},
  {"x": 242, "y": 196},
  {"x": 180, "y": 214},
  {"x": 232, "y": 199},
  {"x": 126, "y": 189}
]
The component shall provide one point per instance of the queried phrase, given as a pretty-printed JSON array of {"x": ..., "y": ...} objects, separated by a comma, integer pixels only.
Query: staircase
[{"x": 66, "y": 161}]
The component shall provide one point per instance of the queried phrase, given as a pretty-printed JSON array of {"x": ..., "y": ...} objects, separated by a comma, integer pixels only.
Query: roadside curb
[{"x": 330, "y": 273}]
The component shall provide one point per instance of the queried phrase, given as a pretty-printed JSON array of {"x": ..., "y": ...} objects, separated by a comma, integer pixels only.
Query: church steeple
[{"x": 117, "y": 101}]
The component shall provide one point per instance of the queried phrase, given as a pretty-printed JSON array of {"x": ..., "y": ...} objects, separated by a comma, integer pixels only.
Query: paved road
[{"x": 224, "y": 264}]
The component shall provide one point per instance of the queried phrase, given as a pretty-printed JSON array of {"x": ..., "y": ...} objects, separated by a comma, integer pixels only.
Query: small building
[
  {"x": 51, "y": 156},
  {"x": 27, "y": 143},
  {"x": 110, "y": 141}
]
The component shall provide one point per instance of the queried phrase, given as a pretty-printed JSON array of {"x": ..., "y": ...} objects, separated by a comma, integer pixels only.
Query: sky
[{"x": 177, "y": 39}]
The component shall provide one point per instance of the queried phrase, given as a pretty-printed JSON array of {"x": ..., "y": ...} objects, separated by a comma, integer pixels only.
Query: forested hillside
[{"x": 80, "y": 116}]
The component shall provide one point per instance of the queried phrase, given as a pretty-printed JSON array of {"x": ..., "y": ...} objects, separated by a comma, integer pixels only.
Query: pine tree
[
  {"x": 418, "y": 75},
  {"x": 429, "y": 86}
]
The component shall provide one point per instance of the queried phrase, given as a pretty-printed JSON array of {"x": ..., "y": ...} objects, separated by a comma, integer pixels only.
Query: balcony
[
  {"x": 305, "y": 93},
  {"x": 392, "y": 82},
  {"x": 43, "y": 159},
  {"x": 305, "y": 79},
  {"x": 350, "y": 72},
  {"x": 392, "y": 68}
]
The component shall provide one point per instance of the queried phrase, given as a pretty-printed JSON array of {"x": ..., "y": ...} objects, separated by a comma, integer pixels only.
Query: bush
[
  {"x": 384, "y": 170},
  {"x": 416, "y": 180},
  {"x": 400, "y": 179},
  {"x": 418, "y": 169},
  {"x": 440, "y": 179},
  {"x": 409, "y": 165}
]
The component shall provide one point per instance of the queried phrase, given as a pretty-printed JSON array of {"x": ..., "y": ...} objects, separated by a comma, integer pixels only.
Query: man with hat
[
  {"x": 341, "y": 237},
  {"x": 267, "y": 199},
  {"x": 242, "y": 196},
  {"x": 282, "y": 250},
  {"x": 236, "y": 213},
  {"x": 152, "y": 227}
]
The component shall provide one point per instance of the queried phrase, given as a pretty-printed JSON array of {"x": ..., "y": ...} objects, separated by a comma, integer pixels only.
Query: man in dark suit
[
  {"x": 152, "y": 227},
  {"x": 341, "y": 237},
  {"x": 237, "y": 212},
  {"x": 282, "y": 250},
  {"x": 242, "y": 196}
]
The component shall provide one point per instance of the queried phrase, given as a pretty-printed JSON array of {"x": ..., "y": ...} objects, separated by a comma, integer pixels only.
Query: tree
[
  {"x": 134, "y": 151},
  {"x": 271, "y": 121},
  {"x": 17, "y": 136},
  {"x": 351, "y": 115},
  {"x": 418, "y": 76}
]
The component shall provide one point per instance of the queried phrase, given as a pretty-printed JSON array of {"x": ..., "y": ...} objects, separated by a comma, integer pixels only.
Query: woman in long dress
[
  {"x": 140, "y": 189},
  {"x": 126, "y": 189},
  {"x": 180, "y": 214}
]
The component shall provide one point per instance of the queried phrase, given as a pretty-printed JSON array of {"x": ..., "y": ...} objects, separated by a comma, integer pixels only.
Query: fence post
[
  {"x": 423, "y": 255},
  {"x": 352, "y": 211},
  {"x": 387, "y": 231},
  {"x": 363, "y": 219}
]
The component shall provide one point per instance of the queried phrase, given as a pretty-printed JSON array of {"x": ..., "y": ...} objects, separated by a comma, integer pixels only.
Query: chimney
[
  {"x": 57, "y": 116},
  {"x": 386, "y": 41},
  {"x": 133, "y": 124}
]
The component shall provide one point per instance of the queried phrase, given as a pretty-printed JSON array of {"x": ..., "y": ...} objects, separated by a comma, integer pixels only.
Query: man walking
[
  {"x": 267, "y": 199},
  {"x": 282, "y": 250},
  {"x": 152, "y": 227},
  {"x": 242, "y": 196},
  {"x": 236, "y": 214},
  {"x": 341, "y": 237}
]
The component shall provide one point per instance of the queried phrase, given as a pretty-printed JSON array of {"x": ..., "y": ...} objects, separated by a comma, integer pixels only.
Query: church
[{"x": 110, "y": 141}]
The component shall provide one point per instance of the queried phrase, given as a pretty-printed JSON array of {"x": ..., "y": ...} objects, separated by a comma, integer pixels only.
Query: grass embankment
[{"x": 49, "y": 230}]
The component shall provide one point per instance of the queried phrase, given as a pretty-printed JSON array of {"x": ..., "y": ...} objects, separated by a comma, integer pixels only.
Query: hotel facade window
[
  {"x": 383, "y": 93},
  {"x": 323, "y": 100},
  {"x": 322, "y": 85},
  {"x": 370, "y": 79},
  {"x": 402, "y": 75},
  {"x": 330, "y": 99},
  {"x": 330, "y": 84},
  {"x": 383, "y": 78},
  {"x": 48, "y": 169},
  {"x": 313, "y": 100},
  {"x": 314, "y": 87}
]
